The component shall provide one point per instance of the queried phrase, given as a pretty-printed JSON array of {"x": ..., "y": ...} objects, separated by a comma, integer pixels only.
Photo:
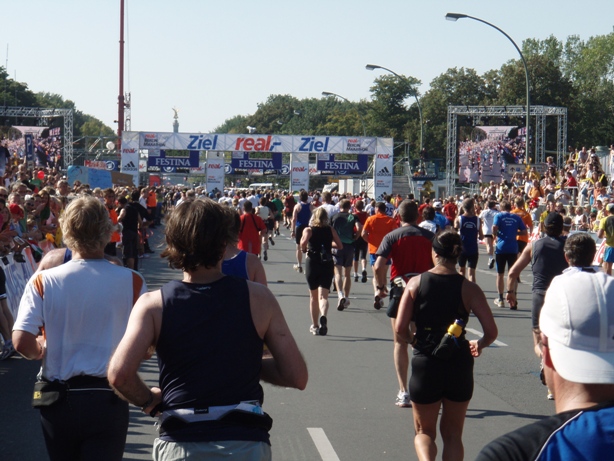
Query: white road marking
[
  {"x": 326, "y": 450},
  {"x": 479, "y": 333}
]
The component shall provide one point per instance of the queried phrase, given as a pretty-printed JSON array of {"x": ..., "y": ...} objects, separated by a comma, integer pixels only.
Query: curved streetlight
[
  {"x": 328, "y": 93},
  {"x": 373, "y": 67},
  {"x": 455, "y": 17}
]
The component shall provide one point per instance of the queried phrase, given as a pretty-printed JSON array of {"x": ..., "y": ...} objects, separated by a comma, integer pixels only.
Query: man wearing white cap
[{"x": 577, "y": 324}]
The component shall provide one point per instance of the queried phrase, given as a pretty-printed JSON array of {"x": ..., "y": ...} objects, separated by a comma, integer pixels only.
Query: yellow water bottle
[{"x": 456, "y": 329}]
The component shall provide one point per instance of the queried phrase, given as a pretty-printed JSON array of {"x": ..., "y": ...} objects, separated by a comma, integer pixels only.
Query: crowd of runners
[{"x": 421, "y": 256}]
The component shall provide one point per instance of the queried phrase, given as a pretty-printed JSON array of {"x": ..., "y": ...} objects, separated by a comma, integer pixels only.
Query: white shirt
[{"x": 85, "y": 306}]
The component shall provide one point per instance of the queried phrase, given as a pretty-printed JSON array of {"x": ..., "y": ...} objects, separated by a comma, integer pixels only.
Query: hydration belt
[
  {"x": 401, "y": 280},
  {"x": 248, "y": 413}
]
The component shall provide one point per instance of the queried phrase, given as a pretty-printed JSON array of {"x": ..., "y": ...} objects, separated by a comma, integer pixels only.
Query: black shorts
[
  {"x": 270, "y": 224},
  {"x": 505, "y": 258},
  {"x": 463, "y": 259},
  {"x": 318, "y": 274},
  {"x": 521, "y": 246},
  {"x": 345, "y": 256},
  {"x": 299, "y": 233},
  {"x": 130, "y": 241},
  {"x": 360, "y": 249},
  {"x": 433, "y": 379},
  {"x": 538, "y": 299}
]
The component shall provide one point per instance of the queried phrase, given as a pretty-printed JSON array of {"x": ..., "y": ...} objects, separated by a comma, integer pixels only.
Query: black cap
[{"x": 553, "y": 219}]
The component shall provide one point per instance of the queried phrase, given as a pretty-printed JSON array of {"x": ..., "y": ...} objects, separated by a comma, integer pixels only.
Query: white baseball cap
[
  {"x": 437, "y": 205},
  {"x": 578, "y": 319}
]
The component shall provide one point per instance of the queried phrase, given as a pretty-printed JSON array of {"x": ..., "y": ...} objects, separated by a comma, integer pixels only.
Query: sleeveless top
[
  {"x": 469, "y": 234},
  {"x": 548, "y": 261},
  {"x": 303, "y": 216},
  {"x": 321, "y": 237},
  {"x": 237, "y": 265},
  {"x": 209, "y": 354},
  {"x": 438, "y": 304}
]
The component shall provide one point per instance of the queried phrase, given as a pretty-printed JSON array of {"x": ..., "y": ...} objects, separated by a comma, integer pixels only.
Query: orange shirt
[
  {"x": 152, "y": 201},
  {"x": 526, "y": 219},
  {"x": 115, "y": 237},
  {"x": 377, "y": 226}
]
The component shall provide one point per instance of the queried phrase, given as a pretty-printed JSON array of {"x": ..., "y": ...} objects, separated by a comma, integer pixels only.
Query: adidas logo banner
[
  {"x": 383, "y": 169},
  {"x": 130, "y": 157}
]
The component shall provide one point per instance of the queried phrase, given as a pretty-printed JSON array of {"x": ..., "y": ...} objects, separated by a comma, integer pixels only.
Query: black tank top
[
  {"x": 438, "y": 304},
  {"x": 548, "y": 261},
  {"x": 320, "y": 236},
  {"x": 209, "y": 354}
]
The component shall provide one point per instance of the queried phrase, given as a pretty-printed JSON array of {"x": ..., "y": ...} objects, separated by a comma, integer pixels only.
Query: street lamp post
[
  {"x": 328, "y": 93},
  {"x": 455, "y": 17},
  {"x": 373, "y": 67}
]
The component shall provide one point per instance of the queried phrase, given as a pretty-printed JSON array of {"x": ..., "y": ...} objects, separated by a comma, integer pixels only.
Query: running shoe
[
  {"x": 356, "y": 277},
  {"x": 314, "y": 330},
  {"x": 265, "y": 257},
  {"x": 272, "y": 241},
  {"x": 341, "y": 304},
  {"x": 491, "y": 263},
  {"x": 499, "y": 302},
  {"x": 378, "y": 303},
  {"x": 323, "y": 326},
  {"x": 514, "y": 307},
  {"x": 364, "y": 277},
  {"x": 347, "y": 302},
  {"x": 403, "y": 400}
]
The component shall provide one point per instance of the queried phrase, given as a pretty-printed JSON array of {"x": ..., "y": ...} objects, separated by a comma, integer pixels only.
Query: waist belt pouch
[
  {"x": 447, "y": 347},
  {"x": 46, "y": 393},
  {"x": 396, "y": 292}
]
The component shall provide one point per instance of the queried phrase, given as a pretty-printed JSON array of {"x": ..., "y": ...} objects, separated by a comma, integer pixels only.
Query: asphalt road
[{"x": 347, "y": 411}]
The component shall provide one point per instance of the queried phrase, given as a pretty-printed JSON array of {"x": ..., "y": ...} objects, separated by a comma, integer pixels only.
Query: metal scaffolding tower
[
  {"x": 477, "y": 112},
  {"x": 43, "y": 117}
]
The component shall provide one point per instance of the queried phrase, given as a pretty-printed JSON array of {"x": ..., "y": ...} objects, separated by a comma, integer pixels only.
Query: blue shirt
[
  {"x": 440, "y": 220},
  {"x": 508, "y": 224}
]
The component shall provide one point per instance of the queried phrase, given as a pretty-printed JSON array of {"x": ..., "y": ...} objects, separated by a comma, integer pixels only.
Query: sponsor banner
[
  {"x": 142, "y": 166},
  {"x": 130, "y": 155},
  {"x": 299, "y": 172},
  {"x": 328, "y": 162},
  {"x": 29, "y": 142},
  {"x": 112, "y": 165},
  {"x": 313, "y": 170},
  {"x": 263, "y": 143},
  {"x": 243, "y": 160},
  {"x": 97, "y": 164},
  {"x": 215, "y": 171},
  {"x": 154, "y": 180},
  {"x": 382, "y": 174},
  {"x": 176, "y": 159}
]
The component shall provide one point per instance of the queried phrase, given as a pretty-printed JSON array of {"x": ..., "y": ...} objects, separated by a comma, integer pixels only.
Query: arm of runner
[
  {"x": 475, "y": 301},
  {"x": 286, "y": 366},
  {"x": 514, "y": 272},
  {"x": 406, "y": 310},
  {"x": 379, "y": 272},
  {"x": 141, "y": 333},
  {"x": 255, "y": 269},
  {"x": 336, "y": 240}
]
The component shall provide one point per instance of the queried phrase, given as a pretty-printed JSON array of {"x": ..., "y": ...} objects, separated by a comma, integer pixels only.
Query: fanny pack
[
  {"x": 248, "y": 414},
  {"x": 46, "y": 393}
]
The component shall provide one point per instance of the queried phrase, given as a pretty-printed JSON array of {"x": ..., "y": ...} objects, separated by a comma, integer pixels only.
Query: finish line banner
[{"x": 261, "y": 143}]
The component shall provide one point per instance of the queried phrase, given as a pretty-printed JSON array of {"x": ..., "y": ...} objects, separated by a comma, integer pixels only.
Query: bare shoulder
[{"x": 51, "y": 259}]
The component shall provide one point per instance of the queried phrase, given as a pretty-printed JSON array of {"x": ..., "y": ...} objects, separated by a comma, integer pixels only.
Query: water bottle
[{"x": 456, "y": 329}]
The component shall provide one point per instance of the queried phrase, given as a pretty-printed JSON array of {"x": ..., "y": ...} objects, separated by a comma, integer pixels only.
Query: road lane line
[
  {"x": 327, "y": 452},
  {"x": 479, "y": 333}
]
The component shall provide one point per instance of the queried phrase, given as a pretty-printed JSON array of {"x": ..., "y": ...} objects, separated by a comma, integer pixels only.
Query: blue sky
[{"x": 213, "y": 60}]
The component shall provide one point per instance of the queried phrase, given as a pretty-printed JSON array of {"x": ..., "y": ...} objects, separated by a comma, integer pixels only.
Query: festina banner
[
  {"x": 329, "y": 162},
  {"x": 382, "y": 169},
  {"x": 243, "y": 160},
  {"x": 130, "y": 155},
  {"x": 299, "y": 172},
  {"x": 260, "y": 143},
  {"x": 176, "y": 159},
  {"x": 215, "y": 171}
]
